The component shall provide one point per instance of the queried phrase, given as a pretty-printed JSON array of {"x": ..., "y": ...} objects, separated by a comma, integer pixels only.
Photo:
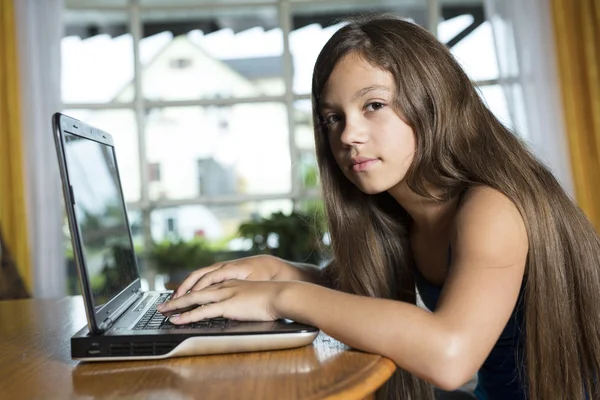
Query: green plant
[
  {"x": 295, "y": 237},
  {"x": 180, "y": 255}
]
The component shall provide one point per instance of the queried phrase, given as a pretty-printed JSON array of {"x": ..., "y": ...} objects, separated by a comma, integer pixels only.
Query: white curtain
[
  {"x": 528, "y": 74},
  {"x": 40, "y": 27}
]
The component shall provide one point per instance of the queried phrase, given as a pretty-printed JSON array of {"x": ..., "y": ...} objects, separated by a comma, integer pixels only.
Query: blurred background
[
  {"x": 209, "y": 106},
  {"x": 220, "y": 132}
]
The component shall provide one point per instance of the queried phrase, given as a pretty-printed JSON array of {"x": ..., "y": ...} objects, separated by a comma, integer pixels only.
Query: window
[
  {"x": 469, "y": 36},
  {"x": 209, "y": 101}
]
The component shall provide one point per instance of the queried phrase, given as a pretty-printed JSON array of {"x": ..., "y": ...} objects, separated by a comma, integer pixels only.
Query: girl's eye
[
  {"x": 375, "y": 106},
  {"x": 330, "y": 119}
]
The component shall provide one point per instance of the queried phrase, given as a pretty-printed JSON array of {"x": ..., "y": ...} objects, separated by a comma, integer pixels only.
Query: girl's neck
[{"x": 428, "y": 216}]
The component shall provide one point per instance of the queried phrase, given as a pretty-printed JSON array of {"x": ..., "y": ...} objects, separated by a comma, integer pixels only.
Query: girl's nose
[{"x": 353, "y": 133}]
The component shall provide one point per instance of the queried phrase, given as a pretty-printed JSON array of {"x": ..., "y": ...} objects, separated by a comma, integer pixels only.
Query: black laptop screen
[{"x": 108, "y": 252}]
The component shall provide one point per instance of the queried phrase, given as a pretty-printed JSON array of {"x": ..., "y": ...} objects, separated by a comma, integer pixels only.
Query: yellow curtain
[
  {"x": 13, "y": 220},
  {"x": 577, "y": 35}
]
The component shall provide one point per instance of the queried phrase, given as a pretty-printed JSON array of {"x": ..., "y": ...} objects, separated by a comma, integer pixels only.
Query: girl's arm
[
  {"x": 256, "y": 268},
  {"x": 448, "y": 346},
  {"x": 312, "y": 274}
]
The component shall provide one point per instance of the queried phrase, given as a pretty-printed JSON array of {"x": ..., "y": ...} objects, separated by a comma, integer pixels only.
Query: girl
[{"x": 425, "y": 188}]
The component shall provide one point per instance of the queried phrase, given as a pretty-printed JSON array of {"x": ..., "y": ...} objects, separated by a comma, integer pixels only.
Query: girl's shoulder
[
  {"x": 484, "y": 197},
  {"x": 486, "y": 213}
]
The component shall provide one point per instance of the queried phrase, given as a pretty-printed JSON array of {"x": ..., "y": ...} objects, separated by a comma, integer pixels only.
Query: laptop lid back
[{"x": 96, "y": 210}]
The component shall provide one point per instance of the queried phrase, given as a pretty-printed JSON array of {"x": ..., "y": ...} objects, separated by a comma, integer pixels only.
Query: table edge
[{"x": 359, "y": 387}]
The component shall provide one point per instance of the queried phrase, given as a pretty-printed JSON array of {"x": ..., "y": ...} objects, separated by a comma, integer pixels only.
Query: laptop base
[{"x": 150, "y": 345}]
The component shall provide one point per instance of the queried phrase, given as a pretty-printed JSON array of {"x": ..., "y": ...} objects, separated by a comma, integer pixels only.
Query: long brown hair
[{"x": 460, "y": 144}]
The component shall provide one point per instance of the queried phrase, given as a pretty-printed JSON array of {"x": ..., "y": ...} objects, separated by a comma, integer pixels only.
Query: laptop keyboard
[{"x": 153, "y": 320}]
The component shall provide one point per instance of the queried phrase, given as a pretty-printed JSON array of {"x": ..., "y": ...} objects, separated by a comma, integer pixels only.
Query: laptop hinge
[{"x": 107, "y": 323}]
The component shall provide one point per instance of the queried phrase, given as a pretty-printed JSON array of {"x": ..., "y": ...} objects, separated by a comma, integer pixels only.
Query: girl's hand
[
  {"x": 240, "y": 300},
  {"x": 256, "y": 268}
]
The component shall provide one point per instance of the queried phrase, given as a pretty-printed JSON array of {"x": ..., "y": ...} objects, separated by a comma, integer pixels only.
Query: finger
[
  {"x": 217, "y": 276},
  {"x": 192, "y": 278},
  {"x": 207, "y": 311},
  {"x": 192, "y": 299},
  {"x": 230, "y": 283},
  {"x": 180, "y": 311}
]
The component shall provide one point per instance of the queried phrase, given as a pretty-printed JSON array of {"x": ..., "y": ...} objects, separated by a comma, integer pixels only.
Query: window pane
[
  {"x": 121, "y": 125},
  {"x": 218, "y": 224},
  {"x": 469, "y": 36},
  {"x": 97, "y": 57},
  {"x": 204, "y": 54},
  {"x": 305, "y": 143},
  {"x": 218, "y": 150},
  {"x": 175, "y": 3},
  {"x": 495, "y": 99},
  {"x": 234, "y": 231},
  {"x": 91, "y": 3},
  {"x": 475, "y": 52},
  {"x": 314, "y": 24}
]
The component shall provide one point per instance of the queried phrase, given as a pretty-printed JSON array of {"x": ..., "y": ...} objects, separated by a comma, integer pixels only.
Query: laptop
[{"x": 123, "y": 323}]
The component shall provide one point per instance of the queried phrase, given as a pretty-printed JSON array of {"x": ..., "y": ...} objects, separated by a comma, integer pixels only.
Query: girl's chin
[{"x": 368, "y": 189}]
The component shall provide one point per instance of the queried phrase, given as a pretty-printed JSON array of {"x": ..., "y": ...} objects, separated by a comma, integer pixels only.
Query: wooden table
[{"x": 35, "y": 363}]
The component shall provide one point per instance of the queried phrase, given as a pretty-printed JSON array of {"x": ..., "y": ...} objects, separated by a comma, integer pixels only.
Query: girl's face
[{"x": 371, "y": 144}]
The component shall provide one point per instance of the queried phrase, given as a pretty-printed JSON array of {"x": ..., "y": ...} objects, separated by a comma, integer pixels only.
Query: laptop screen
[{"x": 108, "y": 252}]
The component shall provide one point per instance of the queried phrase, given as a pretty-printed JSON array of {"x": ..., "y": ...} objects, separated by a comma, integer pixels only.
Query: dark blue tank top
[{"x": 502, "y": 375}]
